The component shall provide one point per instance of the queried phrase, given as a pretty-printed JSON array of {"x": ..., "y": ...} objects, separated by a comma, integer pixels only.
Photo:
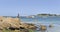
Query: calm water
[
  {"x": 55, "y": 21},
  {"x": 45, "y": 20}
]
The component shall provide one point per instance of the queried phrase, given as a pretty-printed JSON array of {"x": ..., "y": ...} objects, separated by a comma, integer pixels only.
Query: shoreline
[{"x": 16, "y": 24}]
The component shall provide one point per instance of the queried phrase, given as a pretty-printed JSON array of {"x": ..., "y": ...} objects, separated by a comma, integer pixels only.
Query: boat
[{"x": 30, "y": 16}]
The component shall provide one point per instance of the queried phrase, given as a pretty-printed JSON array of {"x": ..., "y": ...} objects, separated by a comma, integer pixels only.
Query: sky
[{"x": 29, "y": 7}]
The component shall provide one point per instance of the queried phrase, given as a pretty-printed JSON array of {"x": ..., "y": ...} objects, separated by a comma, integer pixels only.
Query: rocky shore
[
  {"x": 15, "y": 24},
  {"x": 9, "y": 24}
]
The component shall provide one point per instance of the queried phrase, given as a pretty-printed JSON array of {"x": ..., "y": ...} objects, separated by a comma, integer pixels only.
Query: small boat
[{"x": 30, "y": 16}]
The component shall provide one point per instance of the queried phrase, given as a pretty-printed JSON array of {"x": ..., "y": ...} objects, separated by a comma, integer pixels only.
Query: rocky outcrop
[
  {"x": 9, "y": 22},
  {"x": 14, "y": 23},
  {"x": 43, "y": 27}
]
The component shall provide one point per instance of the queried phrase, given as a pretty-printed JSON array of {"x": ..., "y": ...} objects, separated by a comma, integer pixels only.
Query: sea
[{"x": 51, "y": 20}]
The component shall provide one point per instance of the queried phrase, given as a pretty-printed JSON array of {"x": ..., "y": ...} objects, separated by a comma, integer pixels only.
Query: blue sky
[{"x": 29, "y": 7}]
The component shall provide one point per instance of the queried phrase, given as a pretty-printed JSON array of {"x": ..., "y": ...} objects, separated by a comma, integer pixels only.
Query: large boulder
[
  {"x": 43, "y": 27},
  {"x": 9, "y": 22},
  {"x": 14, "y": 22}
]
